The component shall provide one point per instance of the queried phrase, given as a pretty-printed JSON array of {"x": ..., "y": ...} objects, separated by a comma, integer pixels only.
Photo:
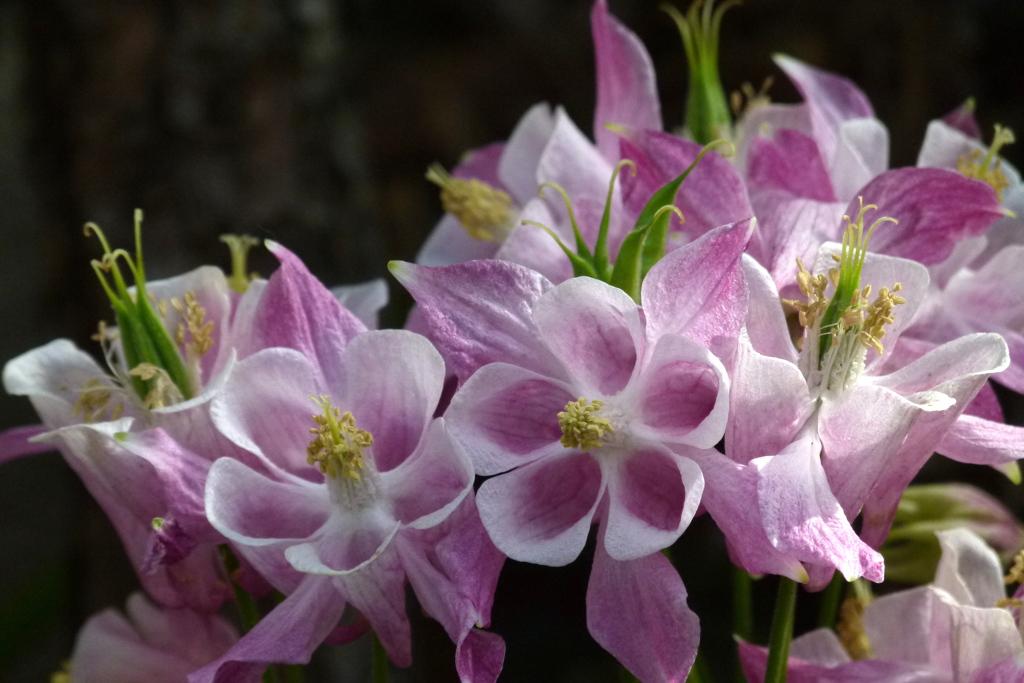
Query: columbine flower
[
  {"x": 148, "y": 644},
  {"x": 352, "y": 468},
  {"x": 592, "y": 409},
  {"x": 960, "y": 629},
  {"x": 833, "y": 430}
]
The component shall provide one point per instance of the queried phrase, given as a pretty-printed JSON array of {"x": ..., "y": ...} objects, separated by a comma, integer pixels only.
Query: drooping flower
[
  {"x": 960, "y": 629},
  {"x": 841, "y": 426}
]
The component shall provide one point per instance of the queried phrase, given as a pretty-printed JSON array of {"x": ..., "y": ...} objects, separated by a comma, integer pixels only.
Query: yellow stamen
[
  {"x": 164, "y": 392},
  {"x": 63, "y": 675},
  {"x": 337, "y": 445},
  {"x": 878, "y": 315},
  {"x": 1012, "y": 603},
  {"x": 200, "y": 331},
  {"x": 581, "y": 427},
  {"x": 813, "y": 287},
  {"x": 746, "y": 99},
  {"x": 980, "y": 166},
  {"x": 95, "y": 402},
  {"x": 484, "y": 211},
  {"x": 851, "y": 629},
  {"x": 239, "y": 246}
]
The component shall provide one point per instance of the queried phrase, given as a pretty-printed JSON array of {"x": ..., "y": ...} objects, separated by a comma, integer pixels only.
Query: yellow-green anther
[
  {"x": 484, "y": 211},
  {"x": 582, "y": 427},
  {"x": 239, "y": 245},
  {"x": 975, "y": 165},
  {"x": 707, "y": 109}
]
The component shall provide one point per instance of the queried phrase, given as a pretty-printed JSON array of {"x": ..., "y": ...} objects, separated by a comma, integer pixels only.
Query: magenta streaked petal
[
  {"x": 392, "y": 383},
  {"x": 594, "y": 330},
  {"x": 636, "y": 609},
  {"x": 729, "y": 488},
  {"x": 652, "y": 494},
  {"x": 378, "y": 591},
  {"x": 697, "y": 291},
  {"x": 791, "y": 161},
  {"x": 683, "y": 394},
  {"x": 266, "y": 407},
  {"x": 428, "y": 485},
  {"x": 830, "y": 100},
  {"x": 767, "y": 329},
  {"x": 803, "y": 518},
  {"x": 627, "y": 94},
  {"x": 936, "y": 208},
  {"x": 251, "y": 509},
  {"x": 573, "y": 162},
  {"x": 348, "y": 542},
  {"x": 505, "y": 416},
  {"x": 982, "y": 442},
  {"x": 286, "y": 635},
  {"x": 479, "y": 312},
  {"x": 296, "y": 311},
  {"x": 712, "y": 195},
  {"x": 529, "y": 246},
  {"x": 20, "y": 441},
  {"x": 768, "y": 404},
  {"x": 541, "y": 512}
]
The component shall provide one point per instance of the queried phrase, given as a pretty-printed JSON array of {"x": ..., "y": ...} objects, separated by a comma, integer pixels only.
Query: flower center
[
  {"x": 337, "y": 445},
  {"x": 980, "y": 166},
  {"x": 484, "y": 211},
  {"x": 840, "y": 329},
  {"x": 582, "y": 426}
]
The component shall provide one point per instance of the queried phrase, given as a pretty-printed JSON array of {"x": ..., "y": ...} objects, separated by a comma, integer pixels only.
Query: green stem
[
  {"x": 293, "y": 673},
  {"x": 743, "y": 604},
  {"x": 831, "y": 598},
  {"x": 782, "y": 632},
  {"x": 380, "y": 661},
  {"x": 626, "y": 677}
]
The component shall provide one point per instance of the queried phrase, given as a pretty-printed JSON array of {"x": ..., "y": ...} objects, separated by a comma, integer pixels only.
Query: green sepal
[
  {"x": 581, "y": 266},
  {"x": 601, "y": 259}
]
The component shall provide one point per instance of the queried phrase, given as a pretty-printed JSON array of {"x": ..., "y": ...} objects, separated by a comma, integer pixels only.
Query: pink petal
[
  {"x": 287, "y": 635},
  {"x": 983, "y": 638},
  {"x": 541, "y": 512},
  {"x": 296, "y": 311},
  {"x": 962, "y": 118},
  {"x": 378, "y": 591},
  {"x": 535, "y": 249},
  {"x": 637, "y": 610},
  {"x": 18, "y": 441},
  {"x": 969, "y": 569},
  {"x": 821, "y": 646},
  {"x": 791, "y": 161},
  {"x": 449, "y": 243},
  {"x": 653, "y": 494},
  {"x": 627, "y": 94},
  {"x": 518, "y": 166},
  {"x": 697, "y": 291},
  {"x": 802, "y": 517},
  {"x": 683, "y": 394},
  {"x": 392, "y": 383},
  {"x": 944, "y": 145},
  {"x": 349, "y": 542},
  {"x": 936, "y": 208},
  {"x": 830, "y": 99},
  {"x": 266, "y": 407},
  {"x": 728, "y": 489},
  {"x": 712, "y": 195},
  {"x": 766, "y": 324},
  {"x": 572, "y": 161},
  {"x": 982, "y": 442},
  {"x": 594, "y": 330},
  {"x": 768, "y": 404},
  {"x": 505, "y": 416},
  {"x": 861, "y": 154},
  {"x": 427, "y": 486},
  {"x": 479, "y": 312},
  {"x": 251, "y": 509}
]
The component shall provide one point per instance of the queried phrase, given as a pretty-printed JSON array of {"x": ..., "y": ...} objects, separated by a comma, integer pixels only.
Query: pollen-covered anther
[
  {"x": 485, "y": 212},
  {"x": 813, "y": 287},
  {"x": 987, "y": 166},
  {"x": 879, "y": 314},
  {"x": 850, "y": 629},
  {"x": 164, "y": 391},
  {"x": 95, "y": 402},
  {"x": 582, "y": 427},
  {"x": 199, "y": 337},
  {"x": 337, "y": 444}
]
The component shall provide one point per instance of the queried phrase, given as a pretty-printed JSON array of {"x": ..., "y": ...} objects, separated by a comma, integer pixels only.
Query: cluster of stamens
[
  {"x": 164, "y": 391},
  {"x": 850, "y": 629},
  {"x": 813, "y": 287},
  {"x": 581, "y": 426},
  {"x": 746, "y": 99},
  {"x": 337, "y": 445},
  {"x": 194, "y": 333},
  {"x": 95, "y": 402},
  {"x": 484, "y": 211},
  {"x": 1014, "y": 575},
  {"x": 987, "y": 166}
]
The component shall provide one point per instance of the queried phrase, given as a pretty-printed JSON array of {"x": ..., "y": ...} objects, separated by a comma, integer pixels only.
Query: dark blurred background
[{"x": 312, "y": 121}]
